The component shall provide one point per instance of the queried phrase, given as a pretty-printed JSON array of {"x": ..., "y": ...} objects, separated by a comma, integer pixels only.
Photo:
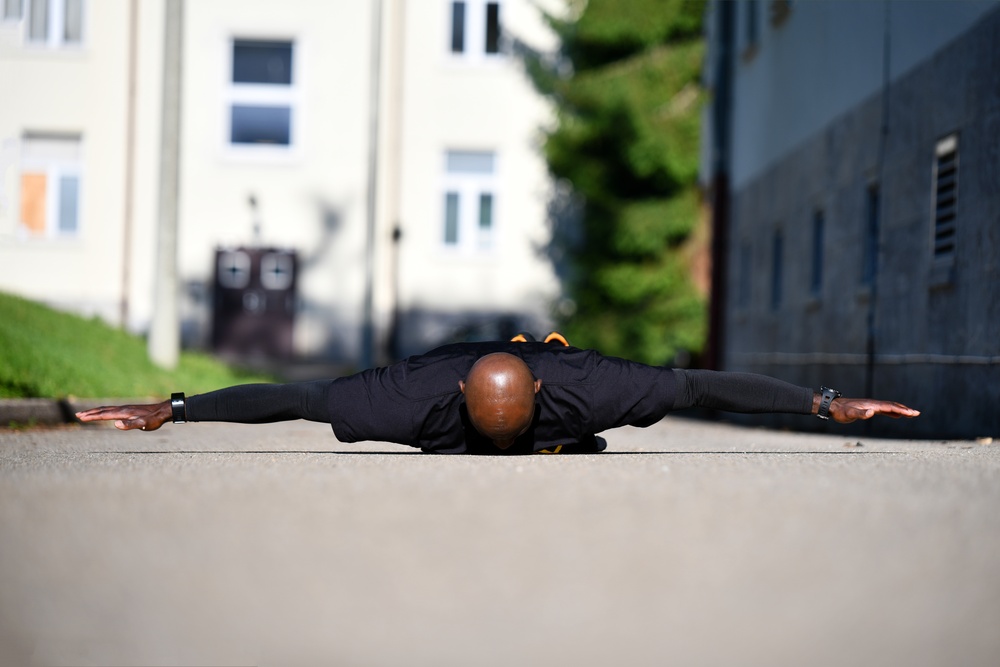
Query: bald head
[{"x": 500, "y": 396}]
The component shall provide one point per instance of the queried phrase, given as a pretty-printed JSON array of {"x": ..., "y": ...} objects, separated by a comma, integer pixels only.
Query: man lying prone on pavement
[{"x": 498, "y": 397}]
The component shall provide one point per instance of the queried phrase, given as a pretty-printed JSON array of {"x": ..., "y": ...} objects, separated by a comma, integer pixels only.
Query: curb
[{"x": 52, "y": 411}]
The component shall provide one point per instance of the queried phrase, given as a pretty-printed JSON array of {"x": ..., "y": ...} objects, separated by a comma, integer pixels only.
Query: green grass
[{"x": 50, "y": 354}]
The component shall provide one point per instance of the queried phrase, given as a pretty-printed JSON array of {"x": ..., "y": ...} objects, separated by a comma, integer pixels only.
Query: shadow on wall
[
  {"x": 331, "y": 223},
  {"x": 231, "y": 300},
  {"x": 565, "y": 215},
  {"x": 329, "y": 324}
]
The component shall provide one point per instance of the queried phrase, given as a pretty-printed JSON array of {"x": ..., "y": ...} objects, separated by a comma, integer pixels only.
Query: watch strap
[
  {"x": 178, "y": 407},
  {"x": 827, "y": 396}
]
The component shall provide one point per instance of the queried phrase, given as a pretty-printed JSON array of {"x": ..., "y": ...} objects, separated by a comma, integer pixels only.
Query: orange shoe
[
  {"x": 556, "y": 337},
  {"x": 523, "y": 337}
]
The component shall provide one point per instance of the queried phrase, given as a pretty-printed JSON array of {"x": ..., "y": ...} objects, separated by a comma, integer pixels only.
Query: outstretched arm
[
  {"x": 244, "y": 404},
  {"x": 752, "y": 393}
]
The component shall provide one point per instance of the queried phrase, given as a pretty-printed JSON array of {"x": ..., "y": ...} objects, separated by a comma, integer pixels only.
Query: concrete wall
[
  {"x": 937, "y": 341},
  {"x": 821, "y": 62}
]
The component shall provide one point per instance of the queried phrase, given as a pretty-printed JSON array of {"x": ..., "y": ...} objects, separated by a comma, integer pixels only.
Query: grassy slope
[{"x": 46, "y": 353}]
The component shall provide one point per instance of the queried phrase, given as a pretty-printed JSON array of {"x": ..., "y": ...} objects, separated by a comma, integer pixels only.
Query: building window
[
  {"x": 451, "y": 218},
  {"x": 777, "y": 268},
  {"x": 869, "y": 265},
  {"x": 52, "y": 23},
  {"x": 261, "y": 93},
  {"x": 11, "y": 10},
  {"x": 816, "y": 277},
  {"x": 492, "y": 27},
  {"x": 469, "y": 200},
  {"x": 750, "y": 35},
  {"x": 945, "y": 198},
  {"x": 50, "y": 185},
  {"x": 458, "y": 27},
  {"x": 745, "y": 275},
  {"x": 475, "y": 28}
]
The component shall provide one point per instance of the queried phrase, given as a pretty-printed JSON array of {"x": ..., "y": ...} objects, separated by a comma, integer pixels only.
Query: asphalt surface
[{"x": 688, "y": 543}]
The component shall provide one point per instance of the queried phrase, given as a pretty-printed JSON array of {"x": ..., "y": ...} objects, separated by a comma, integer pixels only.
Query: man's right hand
[{"x": 128, "y": 417}]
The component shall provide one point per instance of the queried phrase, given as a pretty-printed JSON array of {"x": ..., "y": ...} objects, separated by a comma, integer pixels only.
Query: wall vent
[{"x": 945, "y": 197}]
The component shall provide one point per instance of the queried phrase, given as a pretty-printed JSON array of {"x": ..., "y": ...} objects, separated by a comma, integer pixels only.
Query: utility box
[{"x": 253, "y": 313}]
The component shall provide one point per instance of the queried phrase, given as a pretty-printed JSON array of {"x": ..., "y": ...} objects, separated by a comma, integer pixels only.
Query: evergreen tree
[{"x": 627, "y": 98}]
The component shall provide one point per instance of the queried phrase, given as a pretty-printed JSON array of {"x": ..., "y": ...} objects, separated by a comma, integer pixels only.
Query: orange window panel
[{"x": 33, "y": 202}]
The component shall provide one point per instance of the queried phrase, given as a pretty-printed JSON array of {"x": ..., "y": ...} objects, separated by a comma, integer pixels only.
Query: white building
[{"x": 346, "y": 124}]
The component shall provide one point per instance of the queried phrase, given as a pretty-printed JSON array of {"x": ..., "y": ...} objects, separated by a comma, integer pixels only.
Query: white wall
[
  {"x": 313, "y": 198},
  {"x": 42, "y": 90},
  {"x": 324, "y": 173},
  {"x": 454, "y": 103}
]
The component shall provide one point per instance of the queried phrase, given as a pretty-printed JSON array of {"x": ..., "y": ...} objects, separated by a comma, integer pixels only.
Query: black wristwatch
[
  {"x": 178, "y": 407},
  {"x": 824, "y": 404}
]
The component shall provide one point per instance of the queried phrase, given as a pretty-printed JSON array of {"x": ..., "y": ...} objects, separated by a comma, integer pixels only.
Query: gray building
[{"x": 852, "y": 155}]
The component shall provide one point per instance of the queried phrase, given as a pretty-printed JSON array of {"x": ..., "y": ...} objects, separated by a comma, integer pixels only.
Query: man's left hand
[{"x": 847, "y": 410}]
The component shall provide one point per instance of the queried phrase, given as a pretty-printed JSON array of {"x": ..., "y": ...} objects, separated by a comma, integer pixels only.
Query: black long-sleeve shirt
[{"x": 417, "y": 401}]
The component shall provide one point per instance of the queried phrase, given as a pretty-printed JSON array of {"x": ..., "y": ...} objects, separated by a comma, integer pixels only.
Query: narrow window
[
  {"x": 869, "y": 265},
  {"x": 945, "y": 197},
  {"x": 743, "y": 292},
  {"x": 73, "y": 21},
  {"x": 451, "y": 218},
  {"x": 485, "y": 211},
  {"x": 34, "y": 197},
  {"x": 261, "y": 109},
  {"x": 751, "y": 25},
  {"x": 485, "y": 219},
  {"x": 492, "y": 27},
  {"x": 69, "y": 196},
  {"x": 777, "y": 268},
  {"x": 458, "y": 27},
  {"x": 816, "y": 277},
  {"x": 38, "y": 21}
]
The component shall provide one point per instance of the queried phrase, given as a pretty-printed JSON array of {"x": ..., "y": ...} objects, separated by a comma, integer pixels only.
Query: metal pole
[
  {"x": 164, "y": 333},
  {"x": 133, "y": 36},
  {"x": 722, "y": 108},
  {"x": 395, "y": 50},
  {"x": 368, "y": 315}
]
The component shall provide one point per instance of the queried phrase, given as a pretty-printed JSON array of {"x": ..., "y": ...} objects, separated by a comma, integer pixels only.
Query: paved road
[{"x": 687, "y": 543}]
